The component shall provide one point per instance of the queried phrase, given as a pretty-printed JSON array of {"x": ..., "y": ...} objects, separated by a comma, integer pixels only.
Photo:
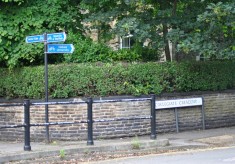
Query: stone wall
[{"x": 219, "y": 112}]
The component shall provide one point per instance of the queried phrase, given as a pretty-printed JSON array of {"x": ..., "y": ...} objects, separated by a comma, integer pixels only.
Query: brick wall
[{"x": 219, "y": 112}]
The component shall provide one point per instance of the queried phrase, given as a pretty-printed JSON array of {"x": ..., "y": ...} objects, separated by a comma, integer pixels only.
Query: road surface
[{"x": 224, "y": 155}]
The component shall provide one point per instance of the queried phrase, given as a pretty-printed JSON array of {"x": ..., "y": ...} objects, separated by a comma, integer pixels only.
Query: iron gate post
[
  {"x": 27, "y": 146},
  {"x": 153, "y": 117},
  {"x": 89, "y": 122}
]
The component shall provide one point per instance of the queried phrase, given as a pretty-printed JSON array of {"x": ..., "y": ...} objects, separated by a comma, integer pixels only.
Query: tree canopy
[{"x": 204, "y": 27}]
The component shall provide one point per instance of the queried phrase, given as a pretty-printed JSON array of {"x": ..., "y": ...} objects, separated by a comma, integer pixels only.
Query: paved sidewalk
[{"x": 10, "y": 151}]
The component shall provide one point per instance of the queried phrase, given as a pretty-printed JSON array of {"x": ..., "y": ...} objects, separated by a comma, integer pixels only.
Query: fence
[
  {"x": 155, "y": 105},
  {"x": 89, "y": 119}
]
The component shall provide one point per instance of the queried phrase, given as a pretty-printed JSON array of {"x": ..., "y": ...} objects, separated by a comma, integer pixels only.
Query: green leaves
[
  {"x": 214, "y": 34},
  {"x": 108, "y": 79},
  {"x": 33, "y": 18},
  {"x": 198, "y": 27},
  {"x": 19, "y": 2}
]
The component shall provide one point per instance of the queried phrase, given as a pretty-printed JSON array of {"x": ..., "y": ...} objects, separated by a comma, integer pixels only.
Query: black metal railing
[
  {"x": 12, "y": 105},
  {"x": 89, "y": 120}
]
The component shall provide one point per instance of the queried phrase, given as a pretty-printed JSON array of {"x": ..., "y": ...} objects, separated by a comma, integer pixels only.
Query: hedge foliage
[{"x": 106, "y": 79}]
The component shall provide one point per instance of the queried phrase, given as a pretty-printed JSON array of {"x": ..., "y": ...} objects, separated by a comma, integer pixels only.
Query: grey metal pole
[
  {"x": 27, "y": 146},
  {"x": 153, "y": 117},
  {"x": 176, "y": 120},
  {"x": 46, "y": 87}
]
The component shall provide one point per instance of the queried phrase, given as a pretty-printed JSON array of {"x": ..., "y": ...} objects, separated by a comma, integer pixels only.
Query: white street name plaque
[{"x": 178, "y": 103}]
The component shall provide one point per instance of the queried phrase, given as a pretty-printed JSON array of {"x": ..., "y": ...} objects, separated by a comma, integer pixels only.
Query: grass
[
  {"x": 135, "y": 143},
  {"x": 62, "y": 154}
]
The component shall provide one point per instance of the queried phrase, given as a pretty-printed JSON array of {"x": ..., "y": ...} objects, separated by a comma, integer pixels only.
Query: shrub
[
  {"x": 87, "y": 50},
  {"x": 106, "y": 79}
]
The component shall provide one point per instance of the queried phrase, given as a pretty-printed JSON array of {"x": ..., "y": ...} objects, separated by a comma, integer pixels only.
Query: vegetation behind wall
[{"x": 106, "y": 79}]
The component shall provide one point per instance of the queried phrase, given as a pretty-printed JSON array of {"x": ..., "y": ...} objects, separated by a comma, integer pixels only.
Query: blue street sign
[
  {"x": 53, "y": 37},
  {"x": 60, "y": 48},
  {"x": 56, "y": 37},
  {"x": 34, "y": 39}
]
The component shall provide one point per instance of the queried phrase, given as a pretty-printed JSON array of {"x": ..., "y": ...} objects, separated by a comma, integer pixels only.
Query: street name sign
[
  {"x": 52, "y": 37},
  {"x": 60, "y": 48},
  {"x": 178, "y": 103}
]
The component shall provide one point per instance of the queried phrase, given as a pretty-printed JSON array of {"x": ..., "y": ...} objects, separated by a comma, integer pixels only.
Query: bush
[
  {"x": 202, "y": 76},
  {"x": 87, "y": 50},
  {"x": 106, "y": 79}
]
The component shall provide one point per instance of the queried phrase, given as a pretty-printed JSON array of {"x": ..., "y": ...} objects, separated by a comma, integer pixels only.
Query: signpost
[
  {"x": 56, "y": 37},
  {"x": 60, "y": 48},
  {"x": 50, "y": 49},
  {"x": 34, "y": 39},
  {"x": 46, "y": 87},
  {"x": 52, "y": 37}
]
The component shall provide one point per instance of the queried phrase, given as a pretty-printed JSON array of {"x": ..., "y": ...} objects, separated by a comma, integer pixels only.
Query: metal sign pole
[
  {"x": 50, "y": 49},
  {"x": 46, "y": 87}
]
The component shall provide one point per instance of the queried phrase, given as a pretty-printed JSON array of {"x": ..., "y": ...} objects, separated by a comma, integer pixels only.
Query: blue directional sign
[
  {"x": 34, "y": 39},
  {"x": 53, "y": 37},
  {"x": 60, "y": 48},
  {"x": 56, "y": 37}
]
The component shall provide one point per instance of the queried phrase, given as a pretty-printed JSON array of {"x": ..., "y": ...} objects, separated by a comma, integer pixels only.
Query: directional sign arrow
[
  {"x": 34, "y": 39},
  {"x": 53, "y": 37},
  {"x": 56, "y": 37},
  {"x": 60, "y": 48}
]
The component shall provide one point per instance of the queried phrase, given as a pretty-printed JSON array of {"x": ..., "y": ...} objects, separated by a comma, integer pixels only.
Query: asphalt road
[{"x": 224, "y": 155}]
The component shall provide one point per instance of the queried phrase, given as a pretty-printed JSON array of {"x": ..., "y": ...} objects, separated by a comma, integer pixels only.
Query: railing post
[
  {"x": 153, "y": 117},
  {"x": 27, "y": 146},
  {"x": 203, "y": 115},
  {"x": 90, "y": 122}
]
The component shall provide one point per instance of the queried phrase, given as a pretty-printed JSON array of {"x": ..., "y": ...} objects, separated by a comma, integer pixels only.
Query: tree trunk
[
  {"x": 174, "y": 57},
  {"x": 167, "y": 48}
]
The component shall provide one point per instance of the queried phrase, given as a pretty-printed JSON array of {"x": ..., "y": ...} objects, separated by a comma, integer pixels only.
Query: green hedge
[{"x": 105, "y": 79}]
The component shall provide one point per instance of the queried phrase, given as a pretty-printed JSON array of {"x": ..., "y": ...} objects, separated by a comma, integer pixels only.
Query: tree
[
  {"x": 20, "y": 18},
  {"x": 213, "y": 35},
  {"x": 158, "y": 21},
  {"x": 202, "y": 27}
]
